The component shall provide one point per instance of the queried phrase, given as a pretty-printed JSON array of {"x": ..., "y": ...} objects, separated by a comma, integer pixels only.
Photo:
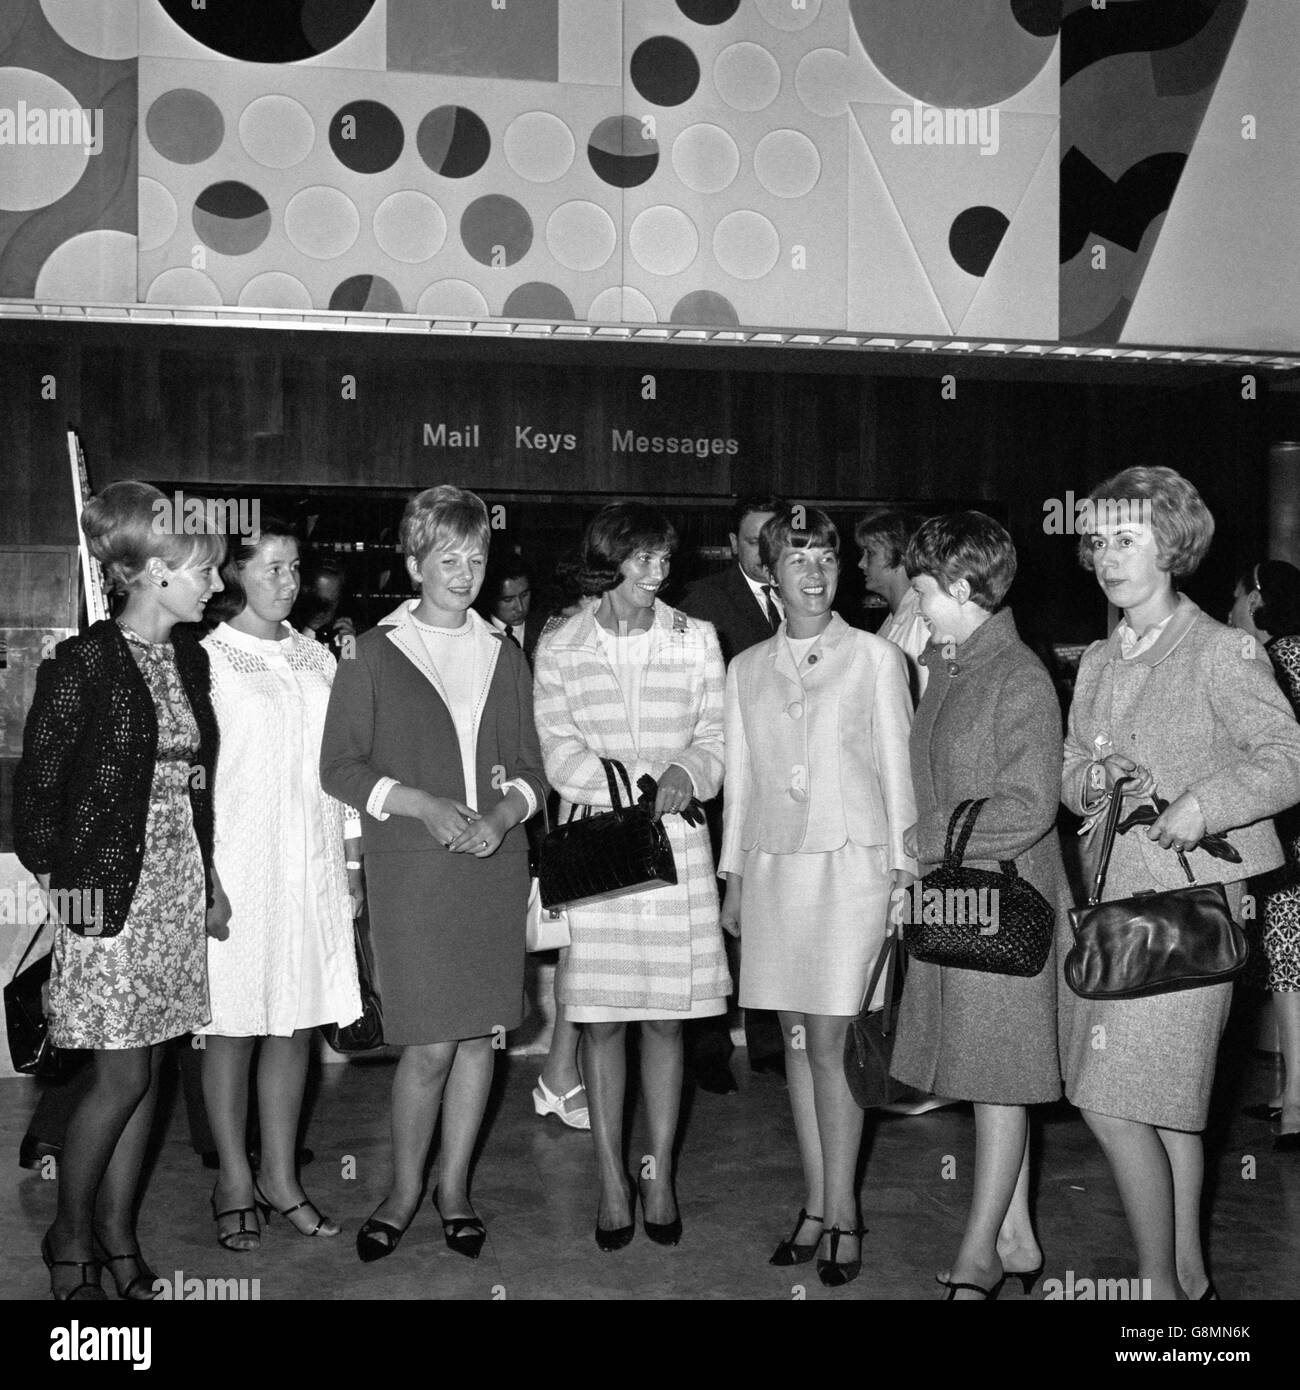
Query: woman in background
[
  {"x": 430, "y": 730},
  {"x": 988, "y": 726},
  {"x": 1191, "y": 712},
  {"x": 288, "y": 963},
  {"x": 819, "y": 799},
  {"x": 628, "y": 678},
  {"x": 1266, "y": 605},
  {"x": 112, "y": 803}
]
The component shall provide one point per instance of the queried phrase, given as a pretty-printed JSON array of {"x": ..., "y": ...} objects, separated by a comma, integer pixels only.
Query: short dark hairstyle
[
  {"x": 753, "y": 502},
  {"x": 892, "y": 528},
  {"x": 795, "y": 526},
  {"x": 1278, "y": 583},
  {"x": 503, "y": 567},
  {"x": 229, "y": 603},
  {"x": 965, "y": 545},
  {"x": 613, "y": 534}
]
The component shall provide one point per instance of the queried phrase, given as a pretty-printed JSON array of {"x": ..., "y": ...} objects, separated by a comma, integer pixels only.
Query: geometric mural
[{"x": 895, "y": 166}]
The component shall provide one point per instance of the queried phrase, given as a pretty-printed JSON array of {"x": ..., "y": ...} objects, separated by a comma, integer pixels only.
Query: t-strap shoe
[
  {"x": 323, "y": 1226},
  {"x": 139, "y": 1288},
  {"x": 790, "y": 1253},
  {"x": 546, "y": 1102},
  {"x": 832, "y": 1272},
  {"x": 87, "y": 1290},
  {"x": 250, "y": 1239}
]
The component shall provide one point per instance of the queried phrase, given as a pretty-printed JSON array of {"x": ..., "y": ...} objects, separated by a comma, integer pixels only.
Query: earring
[{"x": 162, "y": 583}]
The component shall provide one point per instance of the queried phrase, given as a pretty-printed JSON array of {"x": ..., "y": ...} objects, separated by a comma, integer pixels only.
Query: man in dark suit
[
  {"x": 506, "y": 602},
  {"x": 744, "y": 608}
]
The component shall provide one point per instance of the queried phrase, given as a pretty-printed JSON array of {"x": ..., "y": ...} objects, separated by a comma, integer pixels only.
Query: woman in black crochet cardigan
[{"x": 113, "y": 814}]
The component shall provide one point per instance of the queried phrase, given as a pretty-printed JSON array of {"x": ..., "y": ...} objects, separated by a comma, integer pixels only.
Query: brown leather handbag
[{"x": 1152, "y": 943}]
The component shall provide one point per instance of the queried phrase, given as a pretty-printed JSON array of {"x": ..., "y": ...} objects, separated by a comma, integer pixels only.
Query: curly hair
[{"x": 613, "y": 534}]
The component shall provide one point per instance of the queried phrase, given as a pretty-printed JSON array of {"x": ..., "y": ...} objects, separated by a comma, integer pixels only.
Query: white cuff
[
  {"x": 378, "y": 795},
  {"x": 520, "y": 785}
]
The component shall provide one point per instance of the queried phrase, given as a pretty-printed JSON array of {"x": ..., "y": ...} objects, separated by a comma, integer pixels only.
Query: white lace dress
[{"x": 289, "y": 961}]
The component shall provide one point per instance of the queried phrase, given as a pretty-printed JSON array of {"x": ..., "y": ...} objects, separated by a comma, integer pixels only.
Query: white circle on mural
[
  {"x": 781, "y": 14},
  {"x": 321, "y": 222},
  {"x": 663, "y": 240},
  {"x": 104, "y": 29},
  {"x": 277, "y": 131},
  {"x": 156, "y": 213},
  {"x": 746, "y": 244},
  {"x": 93, "y": 268},
  {"x": 52, "y": 156},
  {"x": 822, "y": 82},
  {"x": 747, "y": 77},
  {"x": 581, "y": 235},
  {"x": 787, "y": 163},
  {"x": 538, "y": 146},
  {"x": 706, "y": 158},
  {"x": 183, "y": 285},
  {"x": 410, "y": 226},
  {"x": 452, "y": 299},
  {"x": 275, "y": 289},
  {"x": 621, "y": 304}
]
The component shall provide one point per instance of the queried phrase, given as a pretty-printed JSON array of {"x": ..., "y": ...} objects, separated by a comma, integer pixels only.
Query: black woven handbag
[
  {"x": 869, "y": 1042},
  {"x": 1152, "y": 943},
  {"x": 975, "y": 919},
  {"x": 606, "y": 855},
  {"x": 367, "y": 1032}
]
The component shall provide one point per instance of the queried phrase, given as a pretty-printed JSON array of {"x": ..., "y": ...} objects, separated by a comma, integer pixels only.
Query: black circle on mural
[
  {"x": 708, "y": 11},
  {"x": 621, "y": 153},
  {"x": 537, "y": 300},
  {"x": 366, "y": 294},
  {"x": 665, "y": 71},
  {"x": 974, "y": 238},
  {"x": 705, "y": 307},
  {"x": 271, "y": 31},
  {"x": 496, "y": 230},
  {"x": 231, "y": 218},
  {"x": 453, "y": 142},
  {"x": 366, "y": 137},
  {"x": 1042, "y": 18}
]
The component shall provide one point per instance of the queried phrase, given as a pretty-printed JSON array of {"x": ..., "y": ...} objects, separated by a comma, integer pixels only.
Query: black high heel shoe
[
  {"x": 788, "y": 1253},
  {"x": 617, "y": 1237},
  {"x": 376, "y": 1240},
  {"x": 224, "y": 1238},
  {"x": 661, "y": 1232},
  {"x": 87, "y": 1291},
  {"x": 463, "y": 1234},
  {"x": 989, "y": 1295},
  {"x": 831, "y": 1272},
  {"x": 321, "y": 1221},
  {"x": 139, "y": 1288}
]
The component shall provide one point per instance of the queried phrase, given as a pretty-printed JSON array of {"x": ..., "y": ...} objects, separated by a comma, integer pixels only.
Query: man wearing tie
[
  {"x": 506, "y": 601},
  {"x": 745, "y": 610}
]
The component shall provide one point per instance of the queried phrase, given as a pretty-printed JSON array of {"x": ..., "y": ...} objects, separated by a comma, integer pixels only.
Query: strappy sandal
[
  {"x": 321, "y": 1221},
  {"x": 87, "y": 1291},
  {"x": 139, "y": 1288},
  {"x": 225, "y": 1238}
]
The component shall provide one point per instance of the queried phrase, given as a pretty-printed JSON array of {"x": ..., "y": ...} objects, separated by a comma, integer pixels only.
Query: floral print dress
[{"x": 150, "y": 981}]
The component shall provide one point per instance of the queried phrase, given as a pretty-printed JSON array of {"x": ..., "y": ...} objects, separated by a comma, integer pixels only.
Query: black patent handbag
[
  {"x": 593, "y": 857},
  {"x": 869, "y": 1041},
  {"x": 1153, "y": 943},
  {"x": 366, "y": 1033},
  {"x": 30, "y": 1049},
  {"x": 976, "y": 919}
]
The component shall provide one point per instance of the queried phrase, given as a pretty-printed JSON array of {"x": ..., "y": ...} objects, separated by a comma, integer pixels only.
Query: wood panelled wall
[{"x": 246, "y": 406}]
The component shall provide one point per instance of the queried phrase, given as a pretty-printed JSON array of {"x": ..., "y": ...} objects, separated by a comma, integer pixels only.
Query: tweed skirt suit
[
  {"x": 447, "y": 929},
  {"x": 988, "y": 725},
  {"x": 656, "y": 954},
  {"x": 819, "y": 799},
  {"x": 1202, "y": 710}
]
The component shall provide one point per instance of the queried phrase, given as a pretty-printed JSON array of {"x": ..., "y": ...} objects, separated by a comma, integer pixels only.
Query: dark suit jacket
[{"x": 726, "y": 601}]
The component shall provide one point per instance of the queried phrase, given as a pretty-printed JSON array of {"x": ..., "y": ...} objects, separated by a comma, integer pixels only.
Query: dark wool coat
[{"x": 988, "y": 725}]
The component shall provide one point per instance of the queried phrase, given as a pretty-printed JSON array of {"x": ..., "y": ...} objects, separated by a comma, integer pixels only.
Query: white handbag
[{"x": 545, "y": 929}]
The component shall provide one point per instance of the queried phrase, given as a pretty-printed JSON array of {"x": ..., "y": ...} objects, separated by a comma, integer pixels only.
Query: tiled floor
[{"x": 738, "y": 1186}]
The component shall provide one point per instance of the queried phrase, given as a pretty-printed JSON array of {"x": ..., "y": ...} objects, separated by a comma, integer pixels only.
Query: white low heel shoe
[{"x": 546, "y": 1102}]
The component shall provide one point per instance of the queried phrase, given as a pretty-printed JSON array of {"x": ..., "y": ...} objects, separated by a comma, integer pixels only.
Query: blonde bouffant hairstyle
[
  {"x": 129, "y": 523},
  {"x": 1180, "y": 520}
]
